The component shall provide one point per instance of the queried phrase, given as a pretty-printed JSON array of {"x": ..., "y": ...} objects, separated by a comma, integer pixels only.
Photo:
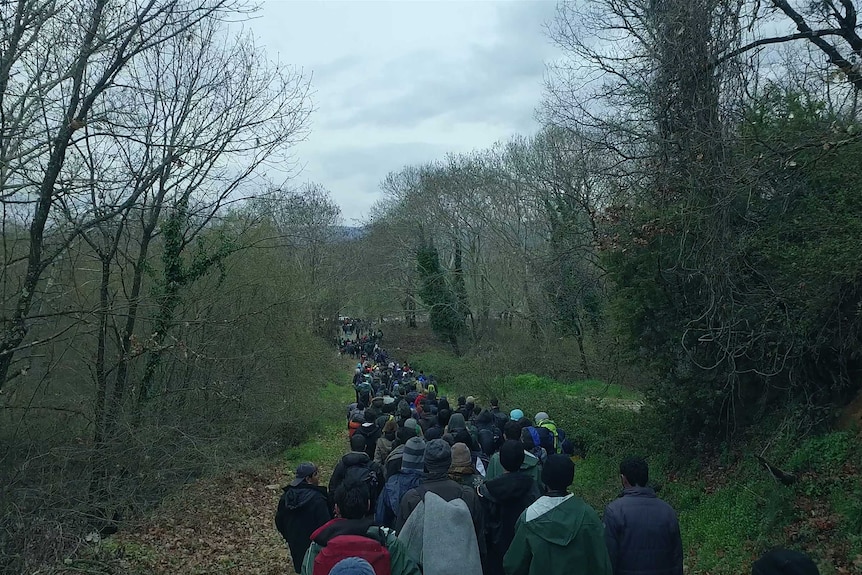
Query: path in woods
[{"x": 225, "y": 524}]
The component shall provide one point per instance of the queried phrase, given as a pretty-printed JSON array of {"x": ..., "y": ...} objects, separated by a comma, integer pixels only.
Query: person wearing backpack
[
  {"x": 303, "y": 508},
  {"x": 359, "y": 465},
  {"x": 531, "y": 465},
  {"x": 353, "y": 534},
  {"x": 504, "y": 499},
  {"x": 438, "y": 459},
  {"x": 397, "y": 484},
  {"x": 543, "y": 421}
]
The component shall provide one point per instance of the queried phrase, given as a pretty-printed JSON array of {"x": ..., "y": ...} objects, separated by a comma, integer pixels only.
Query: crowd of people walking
[{"x": 465, "y": 488}]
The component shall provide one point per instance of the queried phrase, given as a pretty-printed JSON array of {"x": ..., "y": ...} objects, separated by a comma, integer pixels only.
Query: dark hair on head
[
  {"x": 443, "y": 417},
  {"x": 463, "y": 436},
  {"x": 352, "y": 498},
  {"x": 495, "y": 402},
  {"x": 512, "y": 430},
  {"x": 443, "y": 404},
  {"x": 404, "y": 433},
  {"x": 462, "y": 400},
  {"x": 357, "y": 442},
  {"x": 636, "y": 470}
]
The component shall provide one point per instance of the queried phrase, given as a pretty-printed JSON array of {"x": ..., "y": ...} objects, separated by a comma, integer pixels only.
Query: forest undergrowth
[{"x": 222, "y": 524}]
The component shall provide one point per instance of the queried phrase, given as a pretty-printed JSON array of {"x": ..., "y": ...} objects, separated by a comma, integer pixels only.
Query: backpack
[
  {"x": 365, "y": 474},
  {"x": 542, "y": 437},
  {"x": 554, "y": 446},
  {"x": 372, "y": 549}
]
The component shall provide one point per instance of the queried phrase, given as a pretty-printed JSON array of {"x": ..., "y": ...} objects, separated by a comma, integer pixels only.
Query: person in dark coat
[
  {"x": 410, "y": 476},
  {"x": 371, "y": 433},
  {"x": 438, "y": 459},
  {"x": 356, "y": 458},
  {"x": 504, "y": 499},
  {"x": 641, "y": 531},
  {"x": 302, "y": 509}
]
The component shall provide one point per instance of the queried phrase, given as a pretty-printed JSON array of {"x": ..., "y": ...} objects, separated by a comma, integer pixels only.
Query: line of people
[{"x": 427, "y": 488}]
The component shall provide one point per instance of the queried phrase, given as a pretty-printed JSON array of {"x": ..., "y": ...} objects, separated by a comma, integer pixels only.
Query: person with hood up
[
  {"x": 641, "y": 530},
  {"x": 438, "y": 459},
  {"x": 357, "y": 458},
  {"x": 370, "y": 432},
  {"x": 559, "y": 532},
  {"x": 386, "y": 442},
  {"x": 504, "y": 499},
  {"x": 462, "y": 469},
  {"x": 303, "y": 507},
  {"x": 409, "y": 476},
  {"x": 531, "y": 465}
]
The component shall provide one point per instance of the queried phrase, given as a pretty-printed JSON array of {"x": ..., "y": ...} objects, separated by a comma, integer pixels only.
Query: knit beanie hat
[
  {"x": 412, "y": 424},
  {"x": 352, "y": 566},
  {"x": 784, "y": 562},
  {"x": 558, "y": 472},
  {"x": 461, "y": 455},
  {"x": 512, "y": 455},
  {"x": 438, "y": 456},
  {"x": 433, "y": 433},
  {"x": 456, "y": 422},
  {"x": 414, "y": 455}
]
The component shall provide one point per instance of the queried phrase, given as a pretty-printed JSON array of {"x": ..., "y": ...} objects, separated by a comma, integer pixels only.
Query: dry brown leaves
[{"x": 221, "y": 525}]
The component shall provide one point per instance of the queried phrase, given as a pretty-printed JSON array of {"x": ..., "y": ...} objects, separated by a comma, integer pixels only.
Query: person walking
[
  {"x": 559, "y": 534},
  {"x": 641, "y": 531},
  {"x": 303, "y": 508}
]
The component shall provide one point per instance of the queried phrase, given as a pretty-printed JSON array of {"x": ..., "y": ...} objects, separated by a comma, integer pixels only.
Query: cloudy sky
[{"x": 404, "y": 81}]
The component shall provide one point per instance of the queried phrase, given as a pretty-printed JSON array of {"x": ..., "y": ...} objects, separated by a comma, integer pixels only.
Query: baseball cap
[{"x": 303, "y": 471}]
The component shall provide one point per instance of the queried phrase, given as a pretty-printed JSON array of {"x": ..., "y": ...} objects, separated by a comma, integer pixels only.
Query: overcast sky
[{"x": 405, "y": 81}]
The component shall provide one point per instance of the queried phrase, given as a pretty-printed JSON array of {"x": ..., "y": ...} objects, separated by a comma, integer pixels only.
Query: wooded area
[
  {"x": 686, "y": 223},
  {"x": 690, "y": 208}
]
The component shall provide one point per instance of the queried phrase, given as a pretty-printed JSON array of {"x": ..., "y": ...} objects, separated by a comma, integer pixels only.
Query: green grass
[
  {"x": 584, "y": 389},
  {"x": 328, "y": 442},
  {"x": 730, "y": 509}
]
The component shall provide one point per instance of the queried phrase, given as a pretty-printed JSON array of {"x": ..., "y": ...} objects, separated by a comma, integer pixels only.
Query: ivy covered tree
[{"x": 444, "y": 309}]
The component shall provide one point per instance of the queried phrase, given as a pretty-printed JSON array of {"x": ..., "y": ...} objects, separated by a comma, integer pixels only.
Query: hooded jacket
[
  {"x": 531, "y": 466},
  {"x": 558, "y": 536},
  {"x": 359, "y": 458},
  {"x": 642, "y": 534},
  {"x": 301, "y": 510},
  {"x": 504, "y": 499},
  {"x": 447, "y": 489},
  {"x": 371, "y": 433},
  {"x": 390, "y": 499},
  {"x": 400, "y": 562}
]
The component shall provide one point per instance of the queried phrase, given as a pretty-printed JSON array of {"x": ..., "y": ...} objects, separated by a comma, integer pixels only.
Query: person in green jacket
[
  {"x": 531, "y": 466},
  {"x": 559, "y": 534}
]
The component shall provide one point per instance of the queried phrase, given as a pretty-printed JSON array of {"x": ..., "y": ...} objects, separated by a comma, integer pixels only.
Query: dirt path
[{"x": 222, "y": 525}]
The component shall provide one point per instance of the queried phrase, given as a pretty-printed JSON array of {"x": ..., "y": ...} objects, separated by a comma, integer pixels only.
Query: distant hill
[{"x": 347, "y": 233}]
